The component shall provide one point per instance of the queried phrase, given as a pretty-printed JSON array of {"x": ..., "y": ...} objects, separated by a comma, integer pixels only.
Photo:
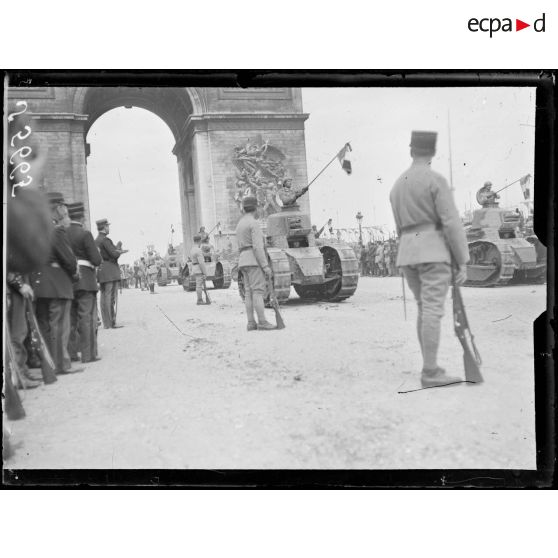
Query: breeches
[
  {"x": 429, "y": 283},
  {"x": 254, "y": 279}
]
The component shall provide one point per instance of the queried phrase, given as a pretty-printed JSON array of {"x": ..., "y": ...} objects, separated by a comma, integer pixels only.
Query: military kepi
[
  {"x": 76, "y": 210},
  {"x": 101, "y": 224},
  {"x": 424, "y": 140},
  {"x": 249, "y": 202}
]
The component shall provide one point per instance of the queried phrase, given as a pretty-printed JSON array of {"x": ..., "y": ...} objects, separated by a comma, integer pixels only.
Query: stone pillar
[
  {"x": 187, "y": 197},
  {"x": 62, "y": 139}
]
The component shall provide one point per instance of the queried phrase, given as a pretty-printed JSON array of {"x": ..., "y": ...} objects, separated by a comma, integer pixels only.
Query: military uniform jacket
[
  {"x": 250, "y": 241},
  {"x": 84, "y": 248},
  {"x": 426, "y": 218},
  {"x": 198, "y": 260},
  {"x": 109, "y": 270},
  {"x": 54, "y": 280}
]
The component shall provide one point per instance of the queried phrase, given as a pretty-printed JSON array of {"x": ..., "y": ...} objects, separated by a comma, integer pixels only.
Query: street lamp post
[{"x": 359, "y": 218}]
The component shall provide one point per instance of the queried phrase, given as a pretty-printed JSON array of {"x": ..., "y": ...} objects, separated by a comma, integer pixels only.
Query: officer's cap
[
  {"x": 101, "y": 224},
  {"x": 76, "y": 210}
]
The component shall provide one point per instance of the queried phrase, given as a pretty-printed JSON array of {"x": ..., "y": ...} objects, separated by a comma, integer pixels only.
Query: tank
[
  {"x": 218, "y": 271},
  {"x": 172, "y": 264},
  {"x": 328, "y": 271},
  {"x": 499, "y": 253}
]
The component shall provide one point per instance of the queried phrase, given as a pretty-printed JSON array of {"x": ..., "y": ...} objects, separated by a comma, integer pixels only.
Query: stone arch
[{"x": 175, "y": 106}]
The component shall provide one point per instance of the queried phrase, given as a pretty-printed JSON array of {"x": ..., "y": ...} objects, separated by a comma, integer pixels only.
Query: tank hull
[{"x": 499, "y": 254}]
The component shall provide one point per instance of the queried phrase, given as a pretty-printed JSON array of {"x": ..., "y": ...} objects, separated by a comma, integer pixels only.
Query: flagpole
[
  {"x": 334, "y": 157},
  {"x": 511, "y": 183}
]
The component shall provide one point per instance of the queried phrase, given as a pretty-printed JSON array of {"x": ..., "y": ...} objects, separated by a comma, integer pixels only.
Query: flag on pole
[
  {"x": 524, "y": 182},
  {"x": 345, "y": 158}
]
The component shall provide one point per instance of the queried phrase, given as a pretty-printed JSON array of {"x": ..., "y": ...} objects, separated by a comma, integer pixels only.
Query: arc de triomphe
[{"x": 207, "y": 123}]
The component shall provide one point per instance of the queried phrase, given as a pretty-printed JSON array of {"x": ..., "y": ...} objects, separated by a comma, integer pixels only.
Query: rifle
[
  {"x": 471, "y": 357},
  {"x": 275, "y": 304},
  {"x": 12, "y": 402},
  {"x": 48, "y": 368}
]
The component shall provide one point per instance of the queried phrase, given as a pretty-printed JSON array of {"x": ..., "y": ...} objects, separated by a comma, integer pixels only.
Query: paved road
[{"x": 323, "y": 393}]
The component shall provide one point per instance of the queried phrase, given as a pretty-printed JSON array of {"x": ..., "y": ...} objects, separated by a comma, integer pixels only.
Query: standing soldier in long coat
[
  {"x": 253, "y": 265},
  {"x": 432, "y": 242},
  {"x": 108, "y": 274},
  {"x": 53, "y": 288},
  {"x": 83, "y": 336}
]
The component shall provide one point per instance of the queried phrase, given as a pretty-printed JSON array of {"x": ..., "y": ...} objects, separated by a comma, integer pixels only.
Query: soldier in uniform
[
  {"x": 152, "y": 271},
  {"x": 486, "y": 197},
  {"x": 83, "y": 336},
  {"x": 290, "y": 195},
  {"x": 199, "y": 270},
  {"x": 108, "y": 274},
  {"x": 54, "y": 290},
  {"x": 432, "y": 241},
  {"x": 253, "y": 264}
]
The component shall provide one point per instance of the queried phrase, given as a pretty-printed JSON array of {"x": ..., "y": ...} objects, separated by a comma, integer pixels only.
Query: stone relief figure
[{"x": 259, "y": 173}]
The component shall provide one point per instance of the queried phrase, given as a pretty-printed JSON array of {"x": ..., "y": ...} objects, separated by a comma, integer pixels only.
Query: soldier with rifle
[
  {"x": 253, "y": 265},
  {"x": 431, "y": 238},
  {"x": 198, "y": 268}
]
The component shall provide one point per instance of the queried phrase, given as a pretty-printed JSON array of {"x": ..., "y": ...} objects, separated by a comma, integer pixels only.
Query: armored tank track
[
  {"x": 223, "y": 277},
  {"x": 491, "y": 264},
  {"x": 281, "y": 268},
  {"x": 341, "y": 267}
]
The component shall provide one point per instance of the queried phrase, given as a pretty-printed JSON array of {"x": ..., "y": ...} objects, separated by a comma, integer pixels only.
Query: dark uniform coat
[
  {"x": 54, "y": 280},
  {"x": 84, "y": 247},
  {"x": 109, "y": 270},
  {"x": 427, "y": 219}
]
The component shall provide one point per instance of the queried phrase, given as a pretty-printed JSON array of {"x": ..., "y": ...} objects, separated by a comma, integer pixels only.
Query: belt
[
  {"x": 54, "y": 264},
  {"x": 421, "y": 227},
  {"x": 86, "y": 263},
  {"x": 244, "y": 248}
]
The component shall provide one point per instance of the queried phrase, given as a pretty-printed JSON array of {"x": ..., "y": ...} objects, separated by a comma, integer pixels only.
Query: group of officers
[{"x": 63, "y": 290}]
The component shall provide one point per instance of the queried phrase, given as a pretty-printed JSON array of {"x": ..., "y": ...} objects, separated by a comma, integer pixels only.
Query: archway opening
[{"x": 133, "y": 180}]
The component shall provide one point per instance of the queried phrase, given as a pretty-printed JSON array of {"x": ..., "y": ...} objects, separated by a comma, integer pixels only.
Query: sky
[{"x": 133, "y": 176}]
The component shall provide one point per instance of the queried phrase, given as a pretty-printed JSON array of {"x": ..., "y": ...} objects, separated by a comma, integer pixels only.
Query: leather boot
[{"x": 437, "y": 378}]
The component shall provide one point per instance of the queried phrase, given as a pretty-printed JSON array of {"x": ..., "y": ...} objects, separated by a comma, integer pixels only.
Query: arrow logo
[{"x": 519, "y": 25}]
